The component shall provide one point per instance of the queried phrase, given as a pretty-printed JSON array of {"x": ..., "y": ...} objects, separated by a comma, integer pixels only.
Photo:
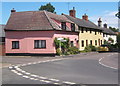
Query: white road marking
[
  {"x": 26, "y": 76},
  {"x": 11, "y": 67},
  {"x": 106, "y": 65},
  {"x": 55, "y": 83},
  {"x": 54, "y": 80},
  {"x": 27, "y": 73},
  {"x": 42, "y": 77},
  {"x": 32, "y": 78},
  {"x": 14, "y": 71},
  {"x": 68, "y": 82},
  {"x": 34, "y": 75},
  {"x": 19, "y": 74},
  {"x": 45, "y": 81}
]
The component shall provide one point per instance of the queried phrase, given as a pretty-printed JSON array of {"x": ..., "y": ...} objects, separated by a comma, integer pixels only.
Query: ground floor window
[
  {"x": 82, "y": 43},
  {"x": 101, "y": 42},
  {"x": 15, "y": 44},
  {"x": 95, "y": 42},
  {"x": 71, "y": 43},
  {"x": 40, "y": 44},
  {"x": 90, "y": 42},
  {"x": 86, "y": 42}
]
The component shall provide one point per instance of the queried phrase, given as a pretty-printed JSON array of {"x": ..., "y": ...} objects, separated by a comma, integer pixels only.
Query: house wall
[
  {"x": 90, "y": 36},
  {"x": 114, "y": 37},
  {"x": 2, "y": 49},
  {"x": 26, "y": 40},
  {"x": 73, "y": 36}
]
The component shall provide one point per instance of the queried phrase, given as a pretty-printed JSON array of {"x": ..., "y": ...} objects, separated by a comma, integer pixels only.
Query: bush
[
  {"x": 58, "y": 52},
  {"x": 90, "y": 48},
  {"x": 87, "y": 49},
  {"x": 73, "y": 50},
  {"x": 93, "y": 48}
]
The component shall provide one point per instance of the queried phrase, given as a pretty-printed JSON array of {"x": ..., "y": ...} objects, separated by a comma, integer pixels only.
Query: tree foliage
[
  {"x": 114, "y": 29},
  {"x": 118, "y": 41},
  {"x": 48, "y": 7}
]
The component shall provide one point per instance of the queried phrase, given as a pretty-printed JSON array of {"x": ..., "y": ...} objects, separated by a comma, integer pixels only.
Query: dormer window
[
  {"x": 72, "y": 27},
  {"x": 63, "y": 25},
  {"x": 82, "y": 31}
]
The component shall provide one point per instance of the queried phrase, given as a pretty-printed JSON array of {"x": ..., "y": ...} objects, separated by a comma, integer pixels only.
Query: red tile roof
[{"x": 34, "y": 20}]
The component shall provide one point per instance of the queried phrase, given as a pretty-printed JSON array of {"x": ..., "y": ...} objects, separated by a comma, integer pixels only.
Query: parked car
[{"x": 103, "y": 48}]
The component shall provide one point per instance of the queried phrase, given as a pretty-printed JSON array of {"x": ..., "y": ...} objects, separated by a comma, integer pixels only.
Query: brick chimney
[
  {"x": 72, "y": 12},
  {"x": 85, "y": 17},
  {"x": 99, "y": 22},
  {"x": 13, "y": 10},
  {"x": 105, "y": 25}
]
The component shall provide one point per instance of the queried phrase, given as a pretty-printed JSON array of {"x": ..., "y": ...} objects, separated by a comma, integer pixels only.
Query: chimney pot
[
  {"x": 13, "y": 10},
  {"x": 72, "y": 12},
  {"x": 105, "y": 25},
  {"x": 99, "y": 22},
  {"x": 85, "y": 17}
]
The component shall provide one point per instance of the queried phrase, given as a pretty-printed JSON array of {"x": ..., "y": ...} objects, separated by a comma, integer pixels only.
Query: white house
[{"x": 107, "y": 33}]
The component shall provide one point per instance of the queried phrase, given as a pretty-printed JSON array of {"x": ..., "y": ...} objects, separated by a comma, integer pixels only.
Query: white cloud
[{"x": 107, "y": 17}]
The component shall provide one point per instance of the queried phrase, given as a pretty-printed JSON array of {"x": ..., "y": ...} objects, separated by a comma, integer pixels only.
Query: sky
[{"x": 94, "y": 10}]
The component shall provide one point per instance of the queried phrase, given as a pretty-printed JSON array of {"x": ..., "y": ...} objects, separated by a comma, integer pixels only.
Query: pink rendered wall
[
  {"x": 73, "y": 36},
  {"x": 26, "y": 39},
  {"x": 59, "y": 23}
]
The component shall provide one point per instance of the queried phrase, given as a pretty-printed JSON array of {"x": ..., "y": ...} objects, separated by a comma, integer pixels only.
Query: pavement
[{"x": 83, "y": 68}]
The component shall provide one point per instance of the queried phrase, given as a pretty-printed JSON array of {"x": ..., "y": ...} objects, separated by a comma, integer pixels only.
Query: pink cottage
[{"x": 33, "y": 32}]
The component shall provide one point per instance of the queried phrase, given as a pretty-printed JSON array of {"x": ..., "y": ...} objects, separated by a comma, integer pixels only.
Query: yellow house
[{"x": 89, "y": 33}]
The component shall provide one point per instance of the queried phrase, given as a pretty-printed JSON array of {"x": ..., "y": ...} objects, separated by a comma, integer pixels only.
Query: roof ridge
[{"x": 48, "y": 18}]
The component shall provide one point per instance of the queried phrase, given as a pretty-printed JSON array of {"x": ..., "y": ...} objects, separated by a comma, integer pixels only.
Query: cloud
[{"x": 107, "y": 17}]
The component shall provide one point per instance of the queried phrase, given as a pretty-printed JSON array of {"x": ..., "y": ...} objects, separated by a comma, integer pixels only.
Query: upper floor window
[
  {"x": 90, "y": 31},
  {"x": 86, "y": 29},
  {"x": 63, "y": 25},
  {"x": 40, "y": 44},
  {"x": 82, "y": 31},
  {"x": 15, "y": 44},
  {"x": 95, "y": 32},
  {"x": 72, "y": 27}
]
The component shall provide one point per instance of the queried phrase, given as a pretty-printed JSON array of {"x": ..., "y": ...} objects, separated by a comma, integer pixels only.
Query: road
[{"x": 76, "y": 69}]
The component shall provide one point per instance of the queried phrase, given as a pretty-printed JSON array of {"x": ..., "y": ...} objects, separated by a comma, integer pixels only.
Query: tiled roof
[
  {"x": 29, "y": 20},
  {"x": 35, "y": 20},
  {"x": 108, "y": 31},
  {"x": 2, "y": 32},
  {"x": 83, "y": 23}
]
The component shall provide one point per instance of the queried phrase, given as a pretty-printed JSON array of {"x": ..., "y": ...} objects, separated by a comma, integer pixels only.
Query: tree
[
  {"x": 111, "y": 40},
  {"x": 118, "y": 41},
  {"x": 118, "y": 14},
  {"x": 114, "y": 29},
  {"x": 48, "y": 7}
]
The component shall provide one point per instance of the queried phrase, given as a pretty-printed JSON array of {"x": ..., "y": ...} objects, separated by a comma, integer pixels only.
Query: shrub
[
  {"x": 73, "y": 50},
  {"x": 58, "y": 52},
  {"x": 87, "y": 49},
  {"x": 93, "y": 48},
  {"x": 90, "y": 48}
]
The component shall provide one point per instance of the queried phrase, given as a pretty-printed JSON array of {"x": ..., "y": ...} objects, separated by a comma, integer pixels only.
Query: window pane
[
  {"x": 40, "y": 43},
  {"x": 43, "y": 44},
  {"x": 15, "y": 44}
]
